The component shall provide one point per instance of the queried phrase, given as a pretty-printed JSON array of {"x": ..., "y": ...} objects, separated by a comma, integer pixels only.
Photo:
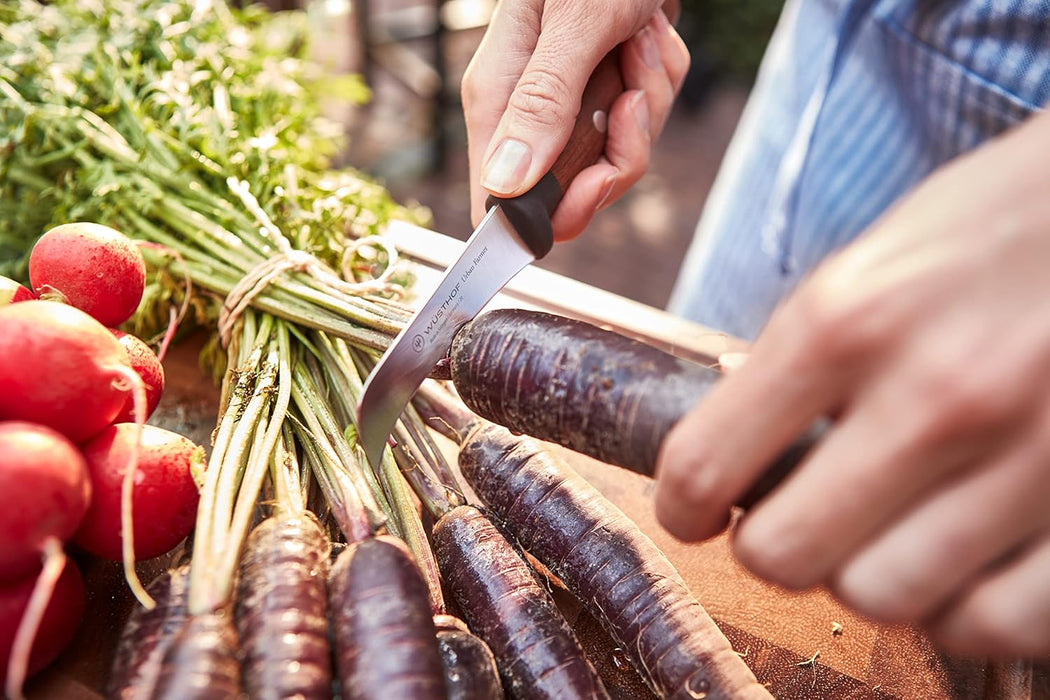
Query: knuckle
[
  {"x": 990, "y": 623},
  {"x": 829, "y": 332},
  {"x": 891, "y": 596},
  {"x": 678, "y": 64},
  {"x": 770, "y": 553},
  {"x": 542, "y": 97},
  {"x": 469, "y": 87},
  {"x": 634, "y": 169},
  {"x": 1040, "y": 446},
  {"x": 958, "y": 398}
]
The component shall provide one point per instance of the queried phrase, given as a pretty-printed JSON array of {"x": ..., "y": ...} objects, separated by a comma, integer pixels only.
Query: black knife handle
[
  {"x": 530, "y": 213},
  {"x": 784, "y": 464}
]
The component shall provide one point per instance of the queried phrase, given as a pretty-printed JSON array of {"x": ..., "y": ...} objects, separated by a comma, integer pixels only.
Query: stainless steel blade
[{"x": 493, "y": 255}]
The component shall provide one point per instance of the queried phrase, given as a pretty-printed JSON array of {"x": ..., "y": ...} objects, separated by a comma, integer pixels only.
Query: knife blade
[{"x": 514, "y": 233}]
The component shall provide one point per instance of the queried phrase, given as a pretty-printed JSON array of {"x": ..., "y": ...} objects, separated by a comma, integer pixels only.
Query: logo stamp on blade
[{"x": 451, "y": 303}]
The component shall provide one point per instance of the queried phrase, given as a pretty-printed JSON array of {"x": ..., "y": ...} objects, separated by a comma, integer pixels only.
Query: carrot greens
[{"x": 195, "y": 128}]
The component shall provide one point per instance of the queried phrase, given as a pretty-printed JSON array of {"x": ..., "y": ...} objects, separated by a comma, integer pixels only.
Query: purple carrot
[
  {"x": 586, "y": 388},
  {"x": 505, "y": 604},
  {"x": 201, "y": 662},
  {"x": 146, "y": 636},
  {"x": 282, "y": 609},
  {"x": 385, "y": 641},
  {"x": 470, "y": 668},
  {"x": 608, "y": 563}
]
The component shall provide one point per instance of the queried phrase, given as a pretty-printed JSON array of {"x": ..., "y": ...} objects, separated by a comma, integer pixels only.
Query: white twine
[{"x": 291, "y": 259}]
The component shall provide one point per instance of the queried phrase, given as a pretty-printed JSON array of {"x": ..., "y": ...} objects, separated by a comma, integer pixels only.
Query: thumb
[{"x": 540, "y": 112}]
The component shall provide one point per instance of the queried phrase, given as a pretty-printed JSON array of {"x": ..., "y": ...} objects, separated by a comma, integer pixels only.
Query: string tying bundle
[{"x": 289, "y": 259}]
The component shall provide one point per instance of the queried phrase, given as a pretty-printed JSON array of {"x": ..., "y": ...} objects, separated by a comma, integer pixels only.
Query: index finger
[{"x": 718, "y": 450}]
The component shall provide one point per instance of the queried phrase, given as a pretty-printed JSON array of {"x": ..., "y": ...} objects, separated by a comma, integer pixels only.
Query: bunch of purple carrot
[{"x": 311, "y": 575}]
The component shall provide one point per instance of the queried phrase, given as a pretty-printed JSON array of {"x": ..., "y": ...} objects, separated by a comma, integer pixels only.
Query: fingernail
[
  {"x": 507, "y": 167},
  {"x": 730, "y": 361},
  {"x": 650, "y": 52},
  {"x": 640, "y": 107},
  {"x": 610, "y": 183},
  {"x": 661, "y": 21}
]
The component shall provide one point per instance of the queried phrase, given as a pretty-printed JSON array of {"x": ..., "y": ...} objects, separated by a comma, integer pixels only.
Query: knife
[{"x": 515, "y": 232}]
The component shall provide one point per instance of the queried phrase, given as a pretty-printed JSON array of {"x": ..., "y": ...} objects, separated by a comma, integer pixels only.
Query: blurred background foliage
[{"x": 727, "y": 39}]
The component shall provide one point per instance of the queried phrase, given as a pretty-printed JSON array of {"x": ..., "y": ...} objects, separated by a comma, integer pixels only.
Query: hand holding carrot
[
  {"x": 522, "y": 90},
  {"x": 928, "y": 340}
]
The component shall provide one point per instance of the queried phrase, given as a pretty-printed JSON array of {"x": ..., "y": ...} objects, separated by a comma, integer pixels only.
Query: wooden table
[{"x": 804, "y": 645}]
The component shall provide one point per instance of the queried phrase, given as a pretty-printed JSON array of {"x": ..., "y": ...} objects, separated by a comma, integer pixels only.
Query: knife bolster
[{"x": 530, "y": 214}]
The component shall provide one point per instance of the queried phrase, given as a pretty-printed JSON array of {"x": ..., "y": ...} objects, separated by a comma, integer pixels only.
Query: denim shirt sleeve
[{"x": 855, "y": 103}]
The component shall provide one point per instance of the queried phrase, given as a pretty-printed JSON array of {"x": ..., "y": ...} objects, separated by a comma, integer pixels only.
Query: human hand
[
  {"x": 928, "y": 342},
  {"x": 521, "y": 93}
]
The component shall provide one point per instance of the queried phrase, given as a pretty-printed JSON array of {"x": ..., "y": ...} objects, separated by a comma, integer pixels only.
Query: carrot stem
[
  {"x": 247, "y": 393},
  {"x": 443, "y": 412},
  {"x": 259, "y": 461},
  {"x": 405, "y": 512},
  {"x": 315, "y": 412},
  {"x": 340, "y": 495},
  {"x": 289, "y": 490},
  {"x": 401, "y": 508},
  {"x": 434, "y": 499},
  {"x": 431, "y": 454}
]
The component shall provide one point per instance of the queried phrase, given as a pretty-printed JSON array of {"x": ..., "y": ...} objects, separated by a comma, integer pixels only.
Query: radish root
[
  {"x": 169, "y": 334},
  {"x": 176, "y": 317},
  {"x": 128, "y": 379},
  {"x": 54, "y": 564},
  {"x": 49, "y": 293}
]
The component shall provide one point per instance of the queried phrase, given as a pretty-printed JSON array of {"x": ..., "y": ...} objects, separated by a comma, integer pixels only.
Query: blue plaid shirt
[{"x": 856, "y": 101}]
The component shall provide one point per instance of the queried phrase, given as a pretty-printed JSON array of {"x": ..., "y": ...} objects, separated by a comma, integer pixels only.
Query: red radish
[
  {"x": 92, "y": 267},
  {"x": 46, "y": 482},
  {"x": 61, "y": 368},
  {"x": 12, "y": 292},
  {"x": 58, "y": 609},
  {"x": 164, "y": 492},
  {"x": 147, "y": 365}
]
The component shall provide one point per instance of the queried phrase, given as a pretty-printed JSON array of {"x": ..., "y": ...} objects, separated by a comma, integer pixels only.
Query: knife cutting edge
[{"x": 514, "y": 233}]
